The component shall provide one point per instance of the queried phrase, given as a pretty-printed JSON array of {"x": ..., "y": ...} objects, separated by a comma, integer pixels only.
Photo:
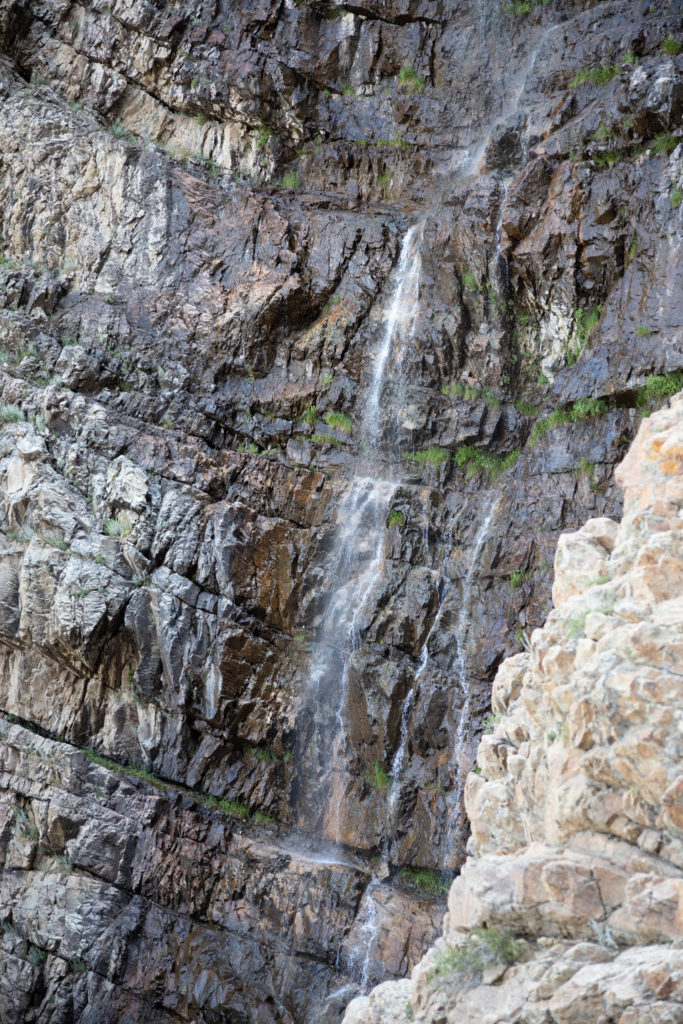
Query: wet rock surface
[
  {"x": 202, "y": 213},
  {"x": 569, "y": 903}
]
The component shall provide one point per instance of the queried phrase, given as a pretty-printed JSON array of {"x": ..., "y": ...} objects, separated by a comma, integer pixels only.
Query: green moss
[
  {"x": 643, "y": 332},
  {"x": 308, "y": 415},
  {"x": 396, "y": 518},
  {"x": 676, "y": 197}
]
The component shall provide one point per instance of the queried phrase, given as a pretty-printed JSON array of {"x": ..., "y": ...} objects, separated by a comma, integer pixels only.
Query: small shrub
[
  {"x": 10, "y": 414},
  {"x": 486, "y": 947},
  {"x": 665, "y": 142},
  {"x": 584, "y": 322},
  {"x": 472, "y": 459},
  {"x": 117, "y": 527},
  {"x": 657, "y": 387},
  {"x": 396, "y": 518},
  {"x": 600, "y": 75},
  {"x": 490, "y": 722},
  {"x": 36, "y": 956},
  {"x": 576, "y": 624},
  {"x": 378, "y": 777},
  {"x": 585, "y": 408},
  {"x": 676, "y": 197},
  {"x": 671, "y": 46},
  {"x": 264, "y": 819},
  {"x": 428, "y": 882},
  {"x": 308, "y": 415},
  {"x": 327, "y": 379},
  {"x": 433, "y": 455},
  {"x": 470, "y": 282},
  {"x": 331, "y": 303},
  {"x": 632, "y": 248},
  {"x": 291, "y": 180},
  {"x": 383, "y": 181},
  {"x": 79, "y": 966},
  {"x": 545, "y": 425},
  {"x": 339, "y": 421},
  {"x": 262, "y": 136},
  {"x": 517, "y": 577},
  {"x": 326, "y": 439},
  {"x": 348, "y": 90},
  {"x": 525, "y": 408},
  {"x": 643, "y": 332},
  {"x": 411, "y": 80},
  {"x": 234, "y": 809}
]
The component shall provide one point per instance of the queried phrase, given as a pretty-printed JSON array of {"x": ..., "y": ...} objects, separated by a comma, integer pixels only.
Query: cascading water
[
  {"x": 356, "y": 563},
  {"x": 357, "y": 557}
]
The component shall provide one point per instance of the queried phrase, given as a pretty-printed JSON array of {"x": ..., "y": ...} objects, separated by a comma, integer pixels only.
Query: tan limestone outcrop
[{"x": 570, "y": 906}]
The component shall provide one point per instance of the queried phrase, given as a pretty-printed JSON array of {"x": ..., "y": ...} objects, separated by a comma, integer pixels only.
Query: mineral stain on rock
[{"x": 320, "y": 326}]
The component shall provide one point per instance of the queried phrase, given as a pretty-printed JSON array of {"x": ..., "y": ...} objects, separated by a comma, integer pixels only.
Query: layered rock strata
[
  {"x": 570, "y": 905},
  {"x": 202, "y": 209}
]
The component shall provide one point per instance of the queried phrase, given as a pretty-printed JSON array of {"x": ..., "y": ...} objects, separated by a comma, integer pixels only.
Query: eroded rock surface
[
  {"x": 569, "y": 907},
  {"x": 202, "y": 209}
]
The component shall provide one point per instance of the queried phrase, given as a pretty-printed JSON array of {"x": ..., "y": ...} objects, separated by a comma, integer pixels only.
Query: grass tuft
[
  {"x": 600, "y": 75},
  {"x": 411, "y": 80},
  {"x": 339, "y": 421}
]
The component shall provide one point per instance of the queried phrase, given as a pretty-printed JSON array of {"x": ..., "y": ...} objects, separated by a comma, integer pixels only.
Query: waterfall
[
  {"x": 460, "y": 762},
  {"x": 356, "y": 561}
]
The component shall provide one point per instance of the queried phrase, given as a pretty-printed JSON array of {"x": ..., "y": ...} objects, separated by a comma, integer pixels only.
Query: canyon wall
[
  {"x": 570, "y": 906},
  {"x": 296, "y": 300}
]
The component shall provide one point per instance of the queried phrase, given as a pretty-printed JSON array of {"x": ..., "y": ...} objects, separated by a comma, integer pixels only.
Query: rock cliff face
[
  {"x": 570, "y": 906},
  {"x": 318, "y": 325}
]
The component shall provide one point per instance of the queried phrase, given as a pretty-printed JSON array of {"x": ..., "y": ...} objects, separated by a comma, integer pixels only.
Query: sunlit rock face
[
  {"x": 570, "y": 901},
  {"x": 319, "y": 326}
]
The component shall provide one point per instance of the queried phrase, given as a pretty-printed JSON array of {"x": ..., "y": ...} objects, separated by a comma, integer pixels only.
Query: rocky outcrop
[
  {"x": 202, "y": 211},
  {"x": 569, "y": 907}
]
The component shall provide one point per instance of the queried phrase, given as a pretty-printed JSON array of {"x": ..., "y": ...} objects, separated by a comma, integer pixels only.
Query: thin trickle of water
[
  {"x": 399, "y": 329},
  {"x": 461, "y": 748},
  {"x": 501, "y": 262},
  {"x": 360, "y": 959}
]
